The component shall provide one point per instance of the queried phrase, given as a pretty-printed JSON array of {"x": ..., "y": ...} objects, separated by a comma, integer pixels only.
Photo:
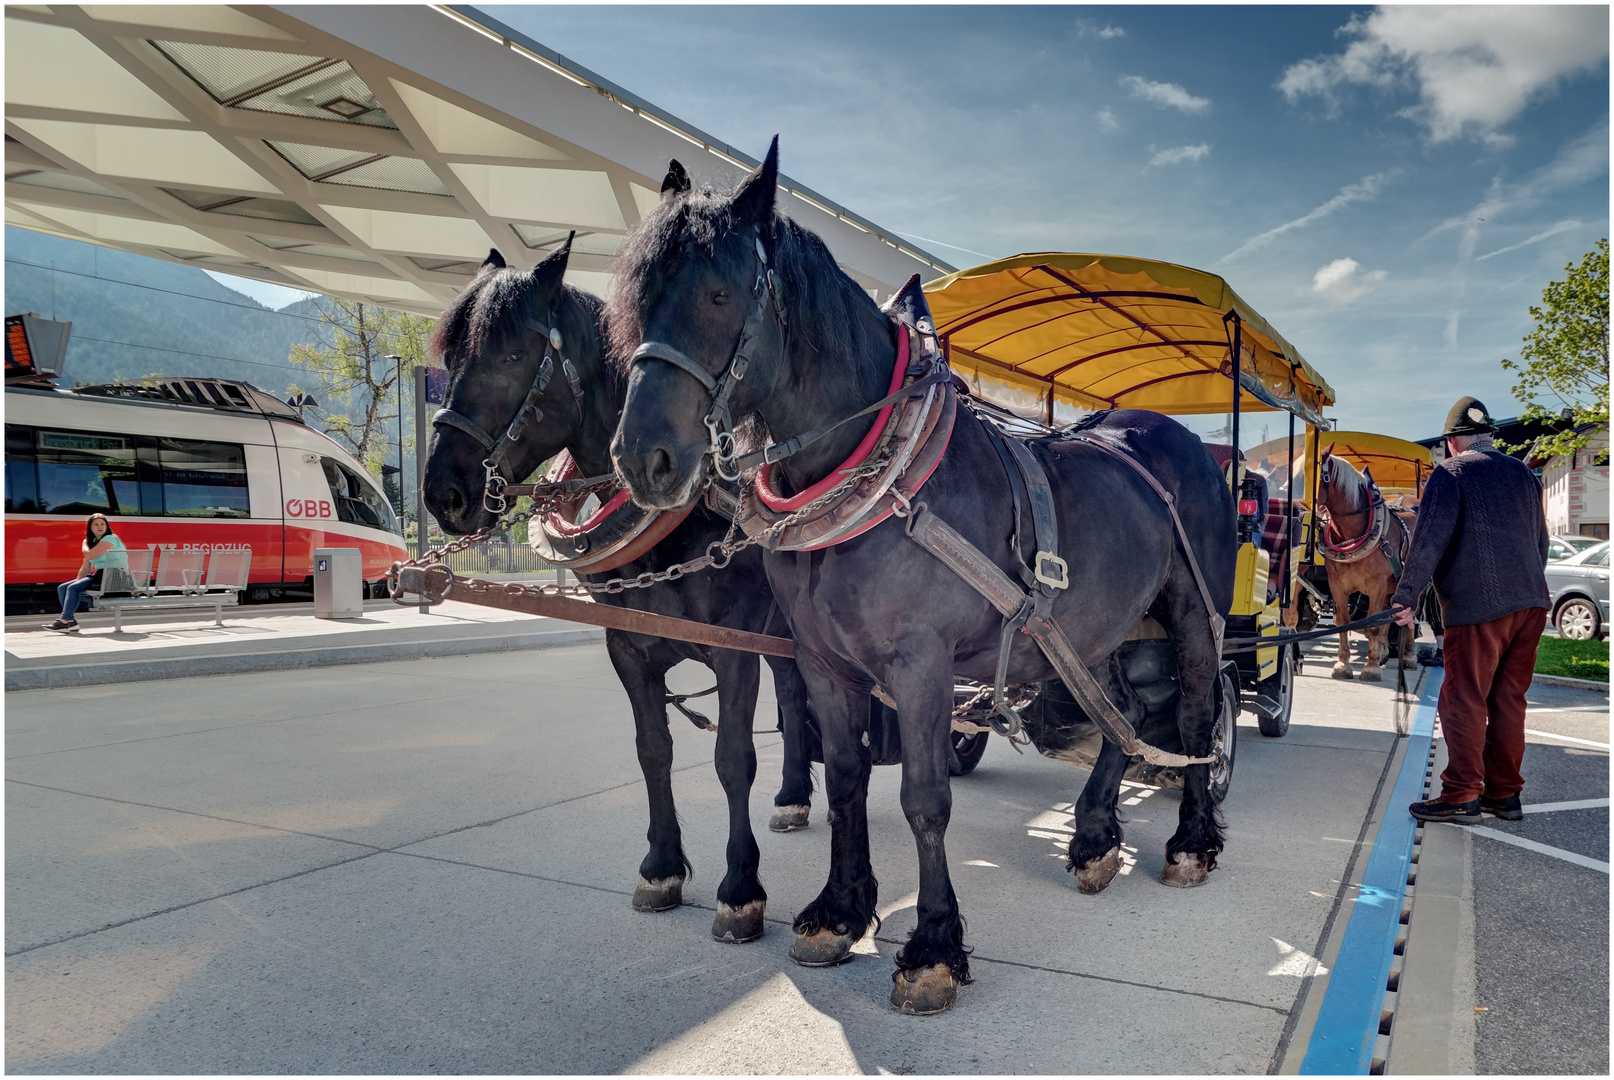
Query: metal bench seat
[{"x": 178, "y": 583}]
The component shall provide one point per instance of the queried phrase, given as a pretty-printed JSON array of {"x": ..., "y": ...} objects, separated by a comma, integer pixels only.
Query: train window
[
  {"x": 22, "y": 490},
  {"x": 82, "y": 472},
  {"x": 203, "y": 479},
  {"x": 356, "y": 501}
]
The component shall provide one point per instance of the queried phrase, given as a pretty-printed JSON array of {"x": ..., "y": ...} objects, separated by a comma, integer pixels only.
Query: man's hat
[{"x": 1468, "y": 417}]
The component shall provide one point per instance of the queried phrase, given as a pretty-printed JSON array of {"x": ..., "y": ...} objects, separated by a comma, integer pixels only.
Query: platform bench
[{"x": 117, "y": 604}]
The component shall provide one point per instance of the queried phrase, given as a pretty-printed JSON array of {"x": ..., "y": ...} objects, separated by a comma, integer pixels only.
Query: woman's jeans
[{"x": 70, "y": 593}]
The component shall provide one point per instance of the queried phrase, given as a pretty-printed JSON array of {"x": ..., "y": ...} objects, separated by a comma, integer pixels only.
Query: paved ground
[
  {"x": 425, "y": 867},
  {"x": 1541, "y": 924}
]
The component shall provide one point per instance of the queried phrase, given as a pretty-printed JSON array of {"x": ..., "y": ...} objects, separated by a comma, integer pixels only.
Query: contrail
[
  {"x": 1562, "y": 226},
  {"x": 1368, "y": 188}
]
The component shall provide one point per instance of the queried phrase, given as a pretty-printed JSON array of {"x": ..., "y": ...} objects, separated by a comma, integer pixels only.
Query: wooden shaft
[{"x": 611, "y": 617}]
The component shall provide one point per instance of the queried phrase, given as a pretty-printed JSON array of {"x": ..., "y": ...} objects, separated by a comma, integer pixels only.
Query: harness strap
[
  {"x": 983, "y": 575},
  {"x": 1217, "y": 623},
  {"x": 778, "y": 451},
  {"x": 465, "y": 424}
]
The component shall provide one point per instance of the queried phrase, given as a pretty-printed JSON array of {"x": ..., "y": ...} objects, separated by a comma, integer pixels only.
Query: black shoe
[
  {"x": 1508, "y": 809},
  {"x": 1467, "y": 813},
  {"x": 63, "y": 626},
  {"x": 1434, "y": 659}
]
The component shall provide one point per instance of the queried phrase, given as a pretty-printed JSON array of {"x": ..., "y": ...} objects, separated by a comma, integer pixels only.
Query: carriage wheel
[
  {"x": 967, "y": 752},
  {"x": 1224, "y": 740},
  {"x": 1281, "y": 688}
]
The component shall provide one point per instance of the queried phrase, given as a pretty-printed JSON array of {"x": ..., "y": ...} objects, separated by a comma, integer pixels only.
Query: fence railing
[{"x": 495, "y": 557}]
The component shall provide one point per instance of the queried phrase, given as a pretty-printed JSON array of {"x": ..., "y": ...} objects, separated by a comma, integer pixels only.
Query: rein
[{"x": 495, "y": 483}]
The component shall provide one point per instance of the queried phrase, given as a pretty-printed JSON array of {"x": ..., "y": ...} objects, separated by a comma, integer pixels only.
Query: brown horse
[{"x": 1364, "y": 545}]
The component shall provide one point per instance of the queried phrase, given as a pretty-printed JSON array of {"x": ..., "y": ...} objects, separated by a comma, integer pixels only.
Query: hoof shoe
[
  {"x": 1184, "y": 870},
  {"x": 788, "y": 818},
  {"x": 737, "y": 925},
  {"x": 925, "y": 991},
  {"x": 821, "y": 948},
  {"x": 663, "y": 894},
  {"x": 1092, "y": 878},
  {"x": 1341, "y": 671},
  {"x": 1372, "y": 675}
]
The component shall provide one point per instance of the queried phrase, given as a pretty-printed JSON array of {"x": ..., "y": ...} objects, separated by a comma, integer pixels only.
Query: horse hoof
[
  {"x": 821, "y": 948},
  {"x": 925, "y": 991},
  {"x": 1098, "y": 873},
  {"x": 1341, "y": 671},
  {"x": 1184, "y": 870},
  {"x": 737, "y": 925},
  {"x": 788, "y": 818},
  {"x": 1372, "y": 675},
  {"x": 663, "y": 894}
]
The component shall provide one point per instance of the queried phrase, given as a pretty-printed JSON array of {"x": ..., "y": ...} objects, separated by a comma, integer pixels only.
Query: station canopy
[
  {"x": 373, "y": 153},
  {"x": 1106, "y": 332}
]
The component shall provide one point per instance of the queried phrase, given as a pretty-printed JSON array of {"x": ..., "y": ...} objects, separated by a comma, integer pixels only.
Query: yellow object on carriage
[{"x": 1050, "y": 336}]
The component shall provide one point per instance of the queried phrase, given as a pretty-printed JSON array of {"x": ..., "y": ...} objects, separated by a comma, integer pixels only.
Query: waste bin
[{"x": 338, "y": 583}]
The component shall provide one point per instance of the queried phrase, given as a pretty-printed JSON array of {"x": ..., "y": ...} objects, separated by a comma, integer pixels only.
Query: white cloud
[
  {"x": 1366, "y": 189},
  {"x": 1342, "y": 281},
  {"x": 1180, "y": 154},
  {"x": 1562, "y": 226},
  {"x": 1166, "y": 95},
  {"x": 1089, "y": 28},
  {"x": 1475, "y": 68},
  {"x": 1107, "y": 121}
]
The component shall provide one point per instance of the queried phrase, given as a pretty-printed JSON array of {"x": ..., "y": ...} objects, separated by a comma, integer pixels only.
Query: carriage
[{"x": 1048, "y": 337}]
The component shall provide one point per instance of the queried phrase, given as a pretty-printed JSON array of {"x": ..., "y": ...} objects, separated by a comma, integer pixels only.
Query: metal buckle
[{"x": 1047, "y": 559}]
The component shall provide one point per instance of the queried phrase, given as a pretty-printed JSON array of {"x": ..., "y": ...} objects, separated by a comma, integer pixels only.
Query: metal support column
[{"x": 420, "y": 471}]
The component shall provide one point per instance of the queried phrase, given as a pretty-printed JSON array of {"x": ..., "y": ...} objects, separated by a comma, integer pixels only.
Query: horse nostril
[
  {"x": 456, "y": 501},
  {"x": 660, "y": 469}
]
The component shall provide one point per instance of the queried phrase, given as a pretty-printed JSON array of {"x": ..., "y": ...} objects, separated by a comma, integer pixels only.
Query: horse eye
[
  {"x": 514, "y": 357},
  {"x": 721, "y": 296}
]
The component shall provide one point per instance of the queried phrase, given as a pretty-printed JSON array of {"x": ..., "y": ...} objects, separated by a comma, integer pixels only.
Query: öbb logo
[{"x": 308, "y": 508}]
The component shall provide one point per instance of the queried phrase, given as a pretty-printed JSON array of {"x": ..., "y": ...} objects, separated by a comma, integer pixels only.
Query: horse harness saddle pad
[{"x": 615, "y": 534}]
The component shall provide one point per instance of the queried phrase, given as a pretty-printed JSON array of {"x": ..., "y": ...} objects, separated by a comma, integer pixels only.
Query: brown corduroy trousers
[{"x": 1488, "y": 670}]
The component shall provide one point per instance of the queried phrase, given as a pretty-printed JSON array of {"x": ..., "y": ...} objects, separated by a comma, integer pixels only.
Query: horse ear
[
  {"x": 676, "y": 182},
  {"x": 494, "y": 261},
  {"x": 754, "y": 198},
  {"x": 1328, "y": 452},
  {"x": 553, "y": 267}
]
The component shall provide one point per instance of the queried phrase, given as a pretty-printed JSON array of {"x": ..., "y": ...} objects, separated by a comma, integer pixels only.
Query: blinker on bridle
[
  {"x": 719, "y": 420},
  {"x": 494, "y": 480}
]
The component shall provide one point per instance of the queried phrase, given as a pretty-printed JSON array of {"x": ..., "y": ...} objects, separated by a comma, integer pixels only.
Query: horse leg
[
  {"x": 1095, "y": 849},
  {"x": 794, "y": 801},
  {"x": 1342, "y": 615},
  {"x": 933, "y": 963},
  {"x": 827, "y": 928},
  {"x": 740, "y": 896},
  {"x": 661, "y": 874},
  {"x": 1377, "y": 638},
  {"x": 1191, "y": 852}
]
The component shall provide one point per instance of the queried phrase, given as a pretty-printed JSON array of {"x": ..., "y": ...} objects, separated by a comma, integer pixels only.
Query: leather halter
[
  {"x": 719, "y": 420},
  {"x": 493, "y": 499},
  {"x": 1374, "y": 536}
]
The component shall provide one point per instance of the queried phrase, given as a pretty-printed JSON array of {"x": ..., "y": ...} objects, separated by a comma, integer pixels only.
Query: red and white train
[{"x": 186, "y": 463}]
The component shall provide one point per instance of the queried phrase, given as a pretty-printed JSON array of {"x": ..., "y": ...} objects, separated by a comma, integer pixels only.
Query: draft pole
[{"x": 420, "y": 471}]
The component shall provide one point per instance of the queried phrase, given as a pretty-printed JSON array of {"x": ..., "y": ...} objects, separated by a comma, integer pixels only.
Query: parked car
[
  {"x": 1579, "y": 588},
  {"x": 1565, "y": 546}
]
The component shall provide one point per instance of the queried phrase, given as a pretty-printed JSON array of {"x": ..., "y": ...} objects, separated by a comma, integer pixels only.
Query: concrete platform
[{"x": 425, "y": 866}]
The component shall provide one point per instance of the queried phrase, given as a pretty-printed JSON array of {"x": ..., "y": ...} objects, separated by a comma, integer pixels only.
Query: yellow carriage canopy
[
  {"x": 1399, "y": 467},
  {"x": 1107, "y": 331}
]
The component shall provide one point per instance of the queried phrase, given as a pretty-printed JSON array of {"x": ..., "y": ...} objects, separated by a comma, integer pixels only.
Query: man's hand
[{"x": 1404, "y": 616}]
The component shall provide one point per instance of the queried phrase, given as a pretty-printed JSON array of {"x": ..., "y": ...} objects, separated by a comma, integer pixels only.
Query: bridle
[
  {"x": 494, "y": 480},
  {"x": 719, "y": 420},
  {"x": 1356, "y": 547}
]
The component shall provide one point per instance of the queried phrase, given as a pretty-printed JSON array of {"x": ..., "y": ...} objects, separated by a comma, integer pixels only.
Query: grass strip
[{"x": 1573, "y": 659}]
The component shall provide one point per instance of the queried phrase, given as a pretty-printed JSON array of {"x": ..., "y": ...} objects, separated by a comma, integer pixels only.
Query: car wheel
[{"x": 1578, "y": 619}]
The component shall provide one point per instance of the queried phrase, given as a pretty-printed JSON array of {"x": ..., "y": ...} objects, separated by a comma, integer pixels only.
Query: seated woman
[{"x": 99, "y": 544}]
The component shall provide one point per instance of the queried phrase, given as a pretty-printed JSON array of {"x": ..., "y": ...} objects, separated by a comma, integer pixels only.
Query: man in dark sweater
[{"x": 1482, "y": 536}]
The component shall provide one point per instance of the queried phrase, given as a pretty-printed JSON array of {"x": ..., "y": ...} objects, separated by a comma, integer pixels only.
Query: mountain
[{"x": 133, "y": 316}]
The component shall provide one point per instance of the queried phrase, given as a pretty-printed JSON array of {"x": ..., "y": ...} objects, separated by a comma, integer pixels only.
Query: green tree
[
  {"x": 356, "y": 384},
  {"x": 1563, "y": 364}
]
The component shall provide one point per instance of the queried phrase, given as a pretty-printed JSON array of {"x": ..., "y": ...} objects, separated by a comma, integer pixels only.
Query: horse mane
[
  {"x": 824, "y": 308},
  {"x": 1349, "y": 482},
  {"x": 498, "y": 310}
]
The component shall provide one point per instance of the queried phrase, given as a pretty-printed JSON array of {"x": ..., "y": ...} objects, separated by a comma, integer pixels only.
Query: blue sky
[{"x": 1392, "y": 188}]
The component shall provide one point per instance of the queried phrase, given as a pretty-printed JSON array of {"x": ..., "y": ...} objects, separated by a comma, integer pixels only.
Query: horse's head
[
  {"x": 697, "y": 318},
  {"x": 523, "y": 349},
  {"x": 1340, "y": 487}
]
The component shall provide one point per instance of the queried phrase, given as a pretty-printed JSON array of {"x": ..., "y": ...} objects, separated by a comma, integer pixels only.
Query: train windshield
[{"x": 357, "y": 502}]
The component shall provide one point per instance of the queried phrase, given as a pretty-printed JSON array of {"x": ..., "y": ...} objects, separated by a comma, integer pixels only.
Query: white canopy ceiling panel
[
  {"x": 165, "y": 155},
  {"x": 576, "y": 196},
  {"x": 400, "y": 141},
  {"x": 112, "y": 228},
  {"x": 453, "y": 130},
  {"x": 52, "y": 67},
  {"x": 206, "y": 18},
  {"x": 591, "y": 281},
  {"x": 389, "y": 230}
]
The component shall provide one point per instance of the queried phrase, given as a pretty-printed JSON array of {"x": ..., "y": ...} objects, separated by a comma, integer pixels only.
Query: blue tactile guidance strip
[{"x": 1348, "y": 1023}]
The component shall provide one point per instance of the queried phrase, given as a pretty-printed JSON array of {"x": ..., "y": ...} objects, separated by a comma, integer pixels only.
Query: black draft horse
[
  {"x": 493, "y": 340},
  {"x": 878, "y": 609}
]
